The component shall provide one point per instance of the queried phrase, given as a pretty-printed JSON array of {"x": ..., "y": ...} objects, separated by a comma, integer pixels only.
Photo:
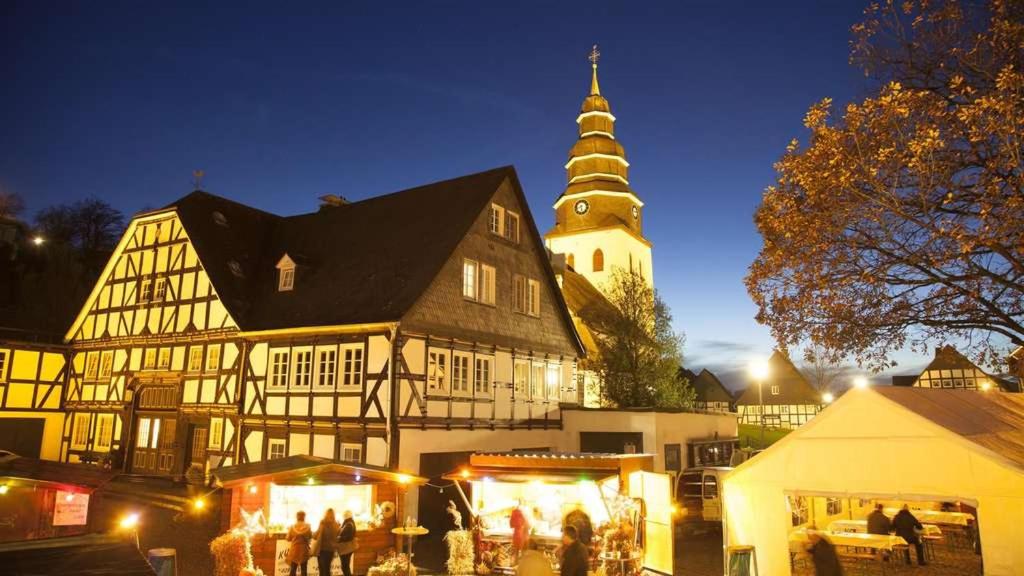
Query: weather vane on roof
[
  {"x": 197, "y": 179},
  {"x": 594, "y": 55}
]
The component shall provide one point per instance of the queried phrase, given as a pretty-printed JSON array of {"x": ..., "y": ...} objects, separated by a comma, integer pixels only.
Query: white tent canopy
[{"x": 897, "y": 444}]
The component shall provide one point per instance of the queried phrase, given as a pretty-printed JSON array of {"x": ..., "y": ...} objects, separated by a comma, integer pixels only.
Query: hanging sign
[{"x": 71, "y": 509}]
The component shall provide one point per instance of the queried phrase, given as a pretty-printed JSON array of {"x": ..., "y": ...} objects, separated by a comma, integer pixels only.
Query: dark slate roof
[
  {"x": 62, "y": 473},
  {"x": 793, "y": 386},
  {"x": 994, "y": 420},
  {"x": 93, "y": 555},
  {"x": 709, "y": 388},
  {"x": 361, "y": 262}
]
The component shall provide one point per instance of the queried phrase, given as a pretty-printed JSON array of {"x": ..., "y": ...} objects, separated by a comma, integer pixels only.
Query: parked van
[{"x": 699, "y": 494}]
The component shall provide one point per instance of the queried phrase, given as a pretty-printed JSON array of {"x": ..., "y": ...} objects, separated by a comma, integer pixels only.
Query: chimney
[{"x": 332, "y": 201}]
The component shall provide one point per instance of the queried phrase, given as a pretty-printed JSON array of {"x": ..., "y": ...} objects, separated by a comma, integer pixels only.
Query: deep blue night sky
[{"x": 282, "y": 104}]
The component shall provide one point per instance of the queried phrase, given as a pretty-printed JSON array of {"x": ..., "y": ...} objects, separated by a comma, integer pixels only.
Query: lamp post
[{"x": 759, "y": 372}]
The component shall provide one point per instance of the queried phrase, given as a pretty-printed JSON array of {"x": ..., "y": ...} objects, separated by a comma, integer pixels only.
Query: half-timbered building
[
  {"x": 785, "y": 399},
  {"x": 32, "y": 371},
  {"x": 951, "y": 369},
  {"x": 367, "y": 332}
]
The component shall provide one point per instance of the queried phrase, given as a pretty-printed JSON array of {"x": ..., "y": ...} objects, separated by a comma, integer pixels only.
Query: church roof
[
  {"x": 793, "y": 385},
  {"x": 360, "y": 262}
]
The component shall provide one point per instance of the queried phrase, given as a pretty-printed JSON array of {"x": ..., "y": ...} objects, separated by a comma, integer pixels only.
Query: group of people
[
  {"x": 903, "y": 524},
  {"x": 330, "y": 538}
]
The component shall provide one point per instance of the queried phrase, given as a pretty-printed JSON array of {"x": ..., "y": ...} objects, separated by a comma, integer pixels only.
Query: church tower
[{"x": 598, "y": 218}]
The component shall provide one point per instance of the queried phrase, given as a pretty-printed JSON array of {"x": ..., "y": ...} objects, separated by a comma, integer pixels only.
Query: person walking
[
  {"x": 878, "y": 522},
  {"x": 906, "y": 526},
  {"x": 299, "y": 534},
  {"x": 327, "y": 538},
  {"x": 823, "y": 555},
  {"x": 347, "y": 543},
  {"x": 575, "y": 559}
]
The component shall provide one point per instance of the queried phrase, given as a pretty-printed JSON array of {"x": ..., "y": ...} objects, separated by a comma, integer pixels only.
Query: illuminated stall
[
  {"x": 282, "y": 487},
  {"x": 43, "y": 499},
  {"x": 621, "y": 509}
]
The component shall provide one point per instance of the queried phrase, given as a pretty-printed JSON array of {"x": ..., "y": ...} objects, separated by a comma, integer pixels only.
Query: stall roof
[
  {"x": 94, "y": 554},
  {"x": 564, "y": 466},
  {"x": 58, "y": 474},
  {"x": 283, "y": 469}
]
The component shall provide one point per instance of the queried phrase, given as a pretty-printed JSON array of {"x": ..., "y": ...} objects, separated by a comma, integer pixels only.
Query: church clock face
[
  {"x": 636, "y": 212},
  {"x": 581, "y": 207}
]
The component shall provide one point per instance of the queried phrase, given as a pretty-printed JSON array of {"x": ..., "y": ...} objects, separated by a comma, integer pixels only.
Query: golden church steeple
[{"x": 598, "y": 204}]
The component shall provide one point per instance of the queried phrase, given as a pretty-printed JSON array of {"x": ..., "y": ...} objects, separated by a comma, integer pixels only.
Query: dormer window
[{"x": 285, "y": 274}]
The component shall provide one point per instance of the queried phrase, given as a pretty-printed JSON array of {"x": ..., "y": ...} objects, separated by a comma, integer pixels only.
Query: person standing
[
  {"x": 327, "y": 537},
  {"x": 347, "y": 543},
  {"x": 299, "y": 534},
  {"x": 878, "y": 522},
  {"x": 906, "y": 526},
  {"x": 823, "y": 555},
  {"x": 575, "y": 559},
  {"x": 520, "y": 529}
]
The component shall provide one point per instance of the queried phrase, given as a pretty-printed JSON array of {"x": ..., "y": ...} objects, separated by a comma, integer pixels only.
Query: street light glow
[
  {"x": 758, "y": 369},
  {"x": 986, "y": 385},
  {"x": 827, "y": 397},
  {"x": 38, "y": 240},
  {"x": 860, "y": 382},
  {"x": 199, "y": 504},
  {"x": 128, "y": 522},
  {"x": 3, "y": 489}
]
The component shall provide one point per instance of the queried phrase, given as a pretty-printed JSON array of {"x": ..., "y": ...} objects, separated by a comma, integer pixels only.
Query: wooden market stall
[
  {"x": 622, "y": 510},
  {"x": 43, "y": 499},
  {"x": 281, "y": 487}
]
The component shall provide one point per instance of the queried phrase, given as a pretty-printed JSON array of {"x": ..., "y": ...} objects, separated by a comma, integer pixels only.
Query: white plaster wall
[{"x": 617, "y": 245}]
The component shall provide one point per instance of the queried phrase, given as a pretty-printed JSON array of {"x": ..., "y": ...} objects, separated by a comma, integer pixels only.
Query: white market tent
[{"x": 896, "y": 444}]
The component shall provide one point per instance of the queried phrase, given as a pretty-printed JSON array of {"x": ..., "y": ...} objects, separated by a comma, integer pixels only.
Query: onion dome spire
[{"x": 597, "y": 161}]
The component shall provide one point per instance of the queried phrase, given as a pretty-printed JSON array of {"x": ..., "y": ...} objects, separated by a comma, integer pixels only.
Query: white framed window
[
  {"x": 213, "y": 357},
  {"x": 533, "y": 297},
  {"x": 276, "y": 448},
  {"x": 80, "y": 432},
  {"x": 104, "y": 431},
  {"x": 352, "y": 368},
  {"x": 519, "y": 293},
  {"x": 326, "y": 367},
  {"x": 460, "y": 373},
  {"x": 106, "y": 364},
  {"x": 775, "y": 389},
  {"x": 496, "y": 220},
  {"x": 149, "y": 359},
  {"x": 437, "y": 370},
  {"x": 553, "y": 381},
  {"x": 160, "y": 289},
  {"x": 92, "y": 365},
  {"x": 145, "y": 290},
  {"x": 469, "y": 274},
  {"x": 537, "y": 381},
  {"x": 521, "y": 378},
  {"x": 195, "y": 359},
  {"x": 279, "y": 369},
  {"x": 512, "y": 226},
  {"x": 303, "y": 367},
  {"x": 487, "y": 282},
  {"x": 351, "y": 452},
  {"x": 286, "y": 279},
  {"x": 3, "y": 365},
  {"x": 216, "y": 433},
  {"x": 482, "y": 376},
  {"x": 164, "y": 359}
]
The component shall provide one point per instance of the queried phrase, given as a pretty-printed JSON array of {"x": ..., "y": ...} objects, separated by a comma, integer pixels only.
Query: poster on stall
[
  {"x": 281, "y": 567},
  {"x": 70, "y": 509}
]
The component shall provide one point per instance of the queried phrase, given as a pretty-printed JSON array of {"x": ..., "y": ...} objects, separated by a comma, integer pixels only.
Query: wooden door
[
  {"x": 199, "y": 441},
  {"x": 154, "y": 444}
]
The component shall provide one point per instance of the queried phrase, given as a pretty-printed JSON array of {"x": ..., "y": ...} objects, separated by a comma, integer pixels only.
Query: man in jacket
[
  {"x": 575, "y": 559},
  {"x": 906, "y": 526},
  {"x": 878, "y": 522}
]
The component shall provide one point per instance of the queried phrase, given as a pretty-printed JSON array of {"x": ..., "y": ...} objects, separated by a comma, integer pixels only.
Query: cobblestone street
[{"x": 699, "y": 554}]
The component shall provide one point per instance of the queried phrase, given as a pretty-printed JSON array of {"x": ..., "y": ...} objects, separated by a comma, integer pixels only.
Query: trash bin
[{"x": 164, "y": 561}]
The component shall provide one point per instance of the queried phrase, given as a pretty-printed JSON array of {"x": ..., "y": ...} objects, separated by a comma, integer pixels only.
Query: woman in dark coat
[
  {"x": 327, "y": 538},
  {"x": 824, "y": 556},
  {"x": 347, "y": 543}
]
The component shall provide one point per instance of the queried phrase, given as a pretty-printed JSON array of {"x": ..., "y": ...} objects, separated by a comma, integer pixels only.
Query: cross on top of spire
[{"x": 594, "y": 55}]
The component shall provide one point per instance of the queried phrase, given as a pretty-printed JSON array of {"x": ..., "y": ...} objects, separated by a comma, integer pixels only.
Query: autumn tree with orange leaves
[{"x": 901, "y": 221}]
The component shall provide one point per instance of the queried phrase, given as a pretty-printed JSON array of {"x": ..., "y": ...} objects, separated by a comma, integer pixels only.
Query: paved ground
[{"x": 699, "y": 553}]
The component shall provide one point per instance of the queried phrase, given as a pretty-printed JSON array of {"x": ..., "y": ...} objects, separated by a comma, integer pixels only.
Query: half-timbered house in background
[
  {"x": 32, "y": 371},
  {"x": 951, "y": 369},
  {"x": 785, "y": 399},
  {"x": 364, "y": 332}
]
